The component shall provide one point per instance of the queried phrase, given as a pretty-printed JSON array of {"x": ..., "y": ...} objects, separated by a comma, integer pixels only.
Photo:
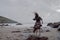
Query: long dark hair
[{"x": 36, "y": 15}]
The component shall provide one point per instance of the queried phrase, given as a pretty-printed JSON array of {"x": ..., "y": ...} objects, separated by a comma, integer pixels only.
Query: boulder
[{"x": 54, "y": 25}]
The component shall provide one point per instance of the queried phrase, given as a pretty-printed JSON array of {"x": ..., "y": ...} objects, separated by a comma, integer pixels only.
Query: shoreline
[{"x": 22, "y": 32}]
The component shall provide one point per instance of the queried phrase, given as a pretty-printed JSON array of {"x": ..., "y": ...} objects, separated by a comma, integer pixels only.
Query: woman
[{"x": 38, "y": 22}]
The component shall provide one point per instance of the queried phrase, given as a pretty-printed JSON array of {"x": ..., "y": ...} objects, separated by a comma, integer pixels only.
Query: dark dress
[{"x": 37, "y": 23}]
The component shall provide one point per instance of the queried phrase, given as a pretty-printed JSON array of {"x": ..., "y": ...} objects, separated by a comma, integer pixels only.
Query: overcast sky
[{"x": 23, "y": 10}]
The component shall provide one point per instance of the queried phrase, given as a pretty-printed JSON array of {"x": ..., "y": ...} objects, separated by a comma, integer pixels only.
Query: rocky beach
[{"x": 23, "y": 32}]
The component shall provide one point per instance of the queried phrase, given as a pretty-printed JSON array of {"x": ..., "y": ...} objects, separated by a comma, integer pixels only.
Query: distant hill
[{"x": 6, "y": 20}]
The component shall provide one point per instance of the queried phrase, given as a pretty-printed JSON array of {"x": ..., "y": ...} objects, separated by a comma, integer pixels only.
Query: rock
[
  {"x": 58, "y": 29},
  {"x": 6, "y": 25},
  {"x": 44, "y": 38},
  {"x": 54, "y": 25},
  {"x": 16, "y": 39},
  {"x": 47, "y": 30},
  {"x": 49, "y": 24},
  {"x": 37, "y": 38},
  {"x": 16, "y": 31},
  {"x": 18, "y": 24}
]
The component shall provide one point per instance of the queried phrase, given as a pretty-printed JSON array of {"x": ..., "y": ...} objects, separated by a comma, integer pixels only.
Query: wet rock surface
[{"x": 31, "y": 37}]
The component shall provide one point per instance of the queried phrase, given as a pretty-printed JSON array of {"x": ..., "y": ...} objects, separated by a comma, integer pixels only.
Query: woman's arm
[
  {"x": 34, "y": 19},
  {"x": 41, "y": 20}
]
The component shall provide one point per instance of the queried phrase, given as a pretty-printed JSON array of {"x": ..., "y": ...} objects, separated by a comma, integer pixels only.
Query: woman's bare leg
[{"x": 39, "y": 33}]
